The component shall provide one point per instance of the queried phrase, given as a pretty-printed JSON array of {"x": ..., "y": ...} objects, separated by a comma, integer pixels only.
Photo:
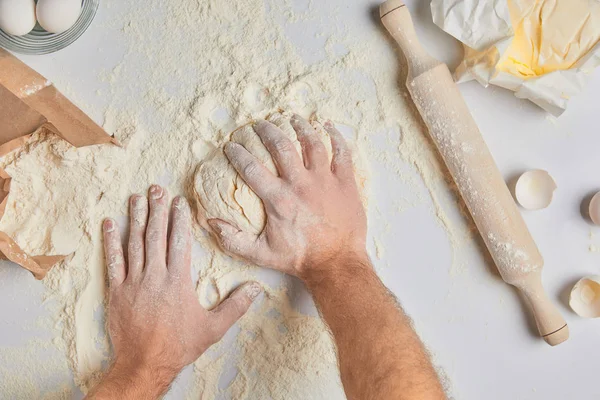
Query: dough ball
[{"x": 219, "y": 192}]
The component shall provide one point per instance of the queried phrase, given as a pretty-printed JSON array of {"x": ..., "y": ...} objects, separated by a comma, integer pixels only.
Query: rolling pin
[{"x": 470, "y": 163}]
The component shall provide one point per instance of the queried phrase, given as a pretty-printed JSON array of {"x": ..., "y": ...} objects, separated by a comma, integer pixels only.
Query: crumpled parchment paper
[{"x": 542, "y": 50}]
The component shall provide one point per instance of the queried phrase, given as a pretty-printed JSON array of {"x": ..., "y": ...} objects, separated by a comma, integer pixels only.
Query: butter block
[{"x": 540, "y": 49}]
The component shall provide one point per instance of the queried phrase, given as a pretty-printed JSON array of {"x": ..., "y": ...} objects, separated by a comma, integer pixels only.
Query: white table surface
[{"x": 473, "y": 323}]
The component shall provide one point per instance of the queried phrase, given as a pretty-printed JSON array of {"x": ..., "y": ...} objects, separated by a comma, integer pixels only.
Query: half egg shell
[
  {"x": 594, "y": 209},
  {"x": 535, "y": 189},
  {"x": 585, "y": 297}
]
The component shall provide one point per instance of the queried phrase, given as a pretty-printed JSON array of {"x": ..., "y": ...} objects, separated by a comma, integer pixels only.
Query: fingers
[
  {"x": 286, "y": 158},
  {"x": 234, "y": 307},
  {"x": 156, "y": 231},
  {"x": 238, "y": 243},
  {"x": 341, "y": 162},
  {"x": 315, "y": 154},
  {"x": 233, "y": 240},
  {"x": 138, "y": 216},
  {"x": 180, "y": 242},
  {"x": 113, "y": 252},
  {"x": 256, "y": 175}
]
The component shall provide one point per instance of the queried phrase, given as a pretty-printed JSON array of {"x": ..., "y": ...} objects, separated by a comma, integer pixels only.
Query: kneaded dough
[{"x": 219, "y": 192}]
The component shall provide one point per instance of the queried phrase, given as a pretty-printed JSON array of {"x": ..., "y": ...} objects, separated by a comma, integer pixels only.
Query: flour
[
  {"x": 21, "y": 386},
  {"x": 173, "y": 100},
  {"x": 265, "y": 353}
]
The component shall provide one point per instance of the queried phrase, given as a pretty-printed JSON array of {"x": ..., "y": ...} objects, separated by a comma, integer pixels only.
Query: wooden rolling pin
[{"x": 481, "y": 185}]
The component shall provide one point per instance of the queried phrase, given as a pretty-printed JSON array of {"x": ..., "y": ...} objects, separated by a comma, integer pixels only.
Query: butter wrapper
[{"x": 542, "y": 50}]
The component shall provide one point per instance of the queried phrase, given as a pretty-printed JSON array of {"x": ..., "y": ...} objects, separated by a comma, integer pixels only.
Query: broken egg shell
[
  {"x": 594, "y": 209},
  {"x": 534, "y": 189},
  {"x": 585, "y": 297}
]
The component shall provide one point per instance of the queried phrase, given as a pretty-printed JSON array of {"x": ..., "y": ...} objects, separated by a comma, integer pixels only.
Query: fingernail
[
  {"x": 181, "y": 203},
  {"x": 328, "y": 124},
  {"x": 135, "y": 200},
  {"x": 253, "y": 290},
  {"x": 261, "y": 123},
  {"x": 229, "y": 146},
  {"x": 221, "y": 228},
  {"x": 109, "y": 225},
  {"x": 156, "y": 192},
  {"x": 216, "y": 227},
  {"x": 295, "y": 118}
]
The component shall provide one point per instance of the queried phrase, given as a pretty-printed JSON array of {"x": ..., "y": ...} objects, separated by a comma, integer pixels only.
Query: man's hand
[
  {"x": 156, "y": 324},
  {"x": 316, "y": 229},
  {"x": 314, "y": 211}
]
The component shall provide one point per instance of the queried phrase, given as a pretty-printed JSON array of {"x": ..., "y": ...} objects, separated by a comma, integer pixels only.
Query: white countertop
[{"x": 474, "y": 324}]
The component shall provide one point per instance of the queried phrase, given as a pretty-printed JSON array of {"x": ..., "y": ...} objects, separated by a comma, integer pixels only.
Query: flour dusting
[{"x": 174, "y": 99}]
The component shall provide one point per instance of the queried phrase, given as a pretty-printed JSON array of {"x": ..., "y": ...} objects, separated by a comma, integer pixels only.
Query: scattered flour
[
  {"x": 594, "y": 245},
  {"x": 173, "y": 100}
]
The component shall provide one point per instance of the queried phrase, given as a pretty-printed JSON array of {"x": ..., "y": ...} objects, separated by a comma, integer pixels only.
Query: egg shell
[
  {"x": 17, "y": 17},
  {"x": 594, "y": 209},
  {"x": 585, "y": 297},
  {"x": 534, "y": 189},
  {"x": 57, "y": 16}
]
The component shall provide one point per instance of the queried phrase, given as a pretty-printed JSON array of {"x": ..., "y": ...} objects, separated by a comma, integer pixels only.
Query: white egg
[
  {"x": 594, "y": 209},
  {"x": 585, "y": 297},
  {"x": 57, "y": 16},
  {"x": 535, "y": 189},
  {"x": 17, "y": 17}
]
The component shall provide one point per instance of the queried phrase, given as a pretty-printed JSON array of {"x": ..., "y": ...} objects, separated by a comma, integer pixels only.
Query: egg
[
  {"x": 585, "y": 297},
  {"x": 57, "y": 16},
  {"x": 535, "y": 189},
  {"x": 17, "y": 17}
]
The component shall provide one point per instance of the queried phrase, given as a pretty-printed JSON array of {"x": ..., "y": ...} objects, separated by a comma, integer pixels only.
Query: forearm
[
  {"x": 133, "y": 382},
  {"x": 380, "y": 355}
]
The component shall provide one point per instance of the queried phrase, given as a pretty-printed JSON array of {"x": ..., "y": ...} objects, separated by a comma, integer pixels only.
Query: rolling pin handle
[
  {"x": 551, "y": 325},
  {"x": 397, "y": 20},
  {"x": 389, "y": 6}
]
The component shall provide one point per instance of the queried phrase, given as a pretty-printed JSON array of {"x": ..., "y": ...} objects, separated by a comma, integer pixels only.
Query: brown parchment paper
[
  {"x": 10, "y": 250},
  {"x": 29, "y": 103}
]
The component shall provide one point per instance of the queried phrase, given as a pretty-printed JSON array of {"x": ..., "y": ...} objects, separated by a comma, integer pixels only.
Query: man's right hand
[
  {"x": 314, "y": 213},
  {"x": 316, "y": 229}
]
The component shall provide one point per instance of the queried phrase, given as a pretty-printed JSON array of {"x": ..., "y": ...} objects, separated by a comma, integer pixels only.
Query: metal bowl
[{"x": 38, "y": 41}]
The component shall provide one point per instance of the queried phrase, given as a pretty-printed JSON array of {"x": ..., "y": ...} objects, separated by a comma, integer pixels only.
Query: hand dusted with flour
[
  {"x": 316, "y": 229},
  {"x": 313, "y": 205},
  {"x": 156, "y": 324},
  {"x": 222, "y": 193}
]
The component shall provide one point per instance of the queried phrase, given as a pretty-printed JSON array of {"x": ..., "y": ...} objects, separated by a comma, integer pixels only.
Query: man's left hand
[{"x": 156, "y": 324}]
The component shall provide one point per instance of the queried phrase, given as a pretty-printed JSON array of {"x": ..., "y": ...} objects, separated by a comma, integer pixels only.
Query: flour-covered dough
[{"x": 219, "y": 192}]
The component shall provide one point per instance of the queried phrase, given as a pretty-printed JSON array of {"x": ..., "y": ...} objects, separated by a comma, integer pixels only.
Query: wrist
[
  {"x": 144, "y": 370},
  {"x": 134, "y": 379},
  {"x": 343, "y": 264}
]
